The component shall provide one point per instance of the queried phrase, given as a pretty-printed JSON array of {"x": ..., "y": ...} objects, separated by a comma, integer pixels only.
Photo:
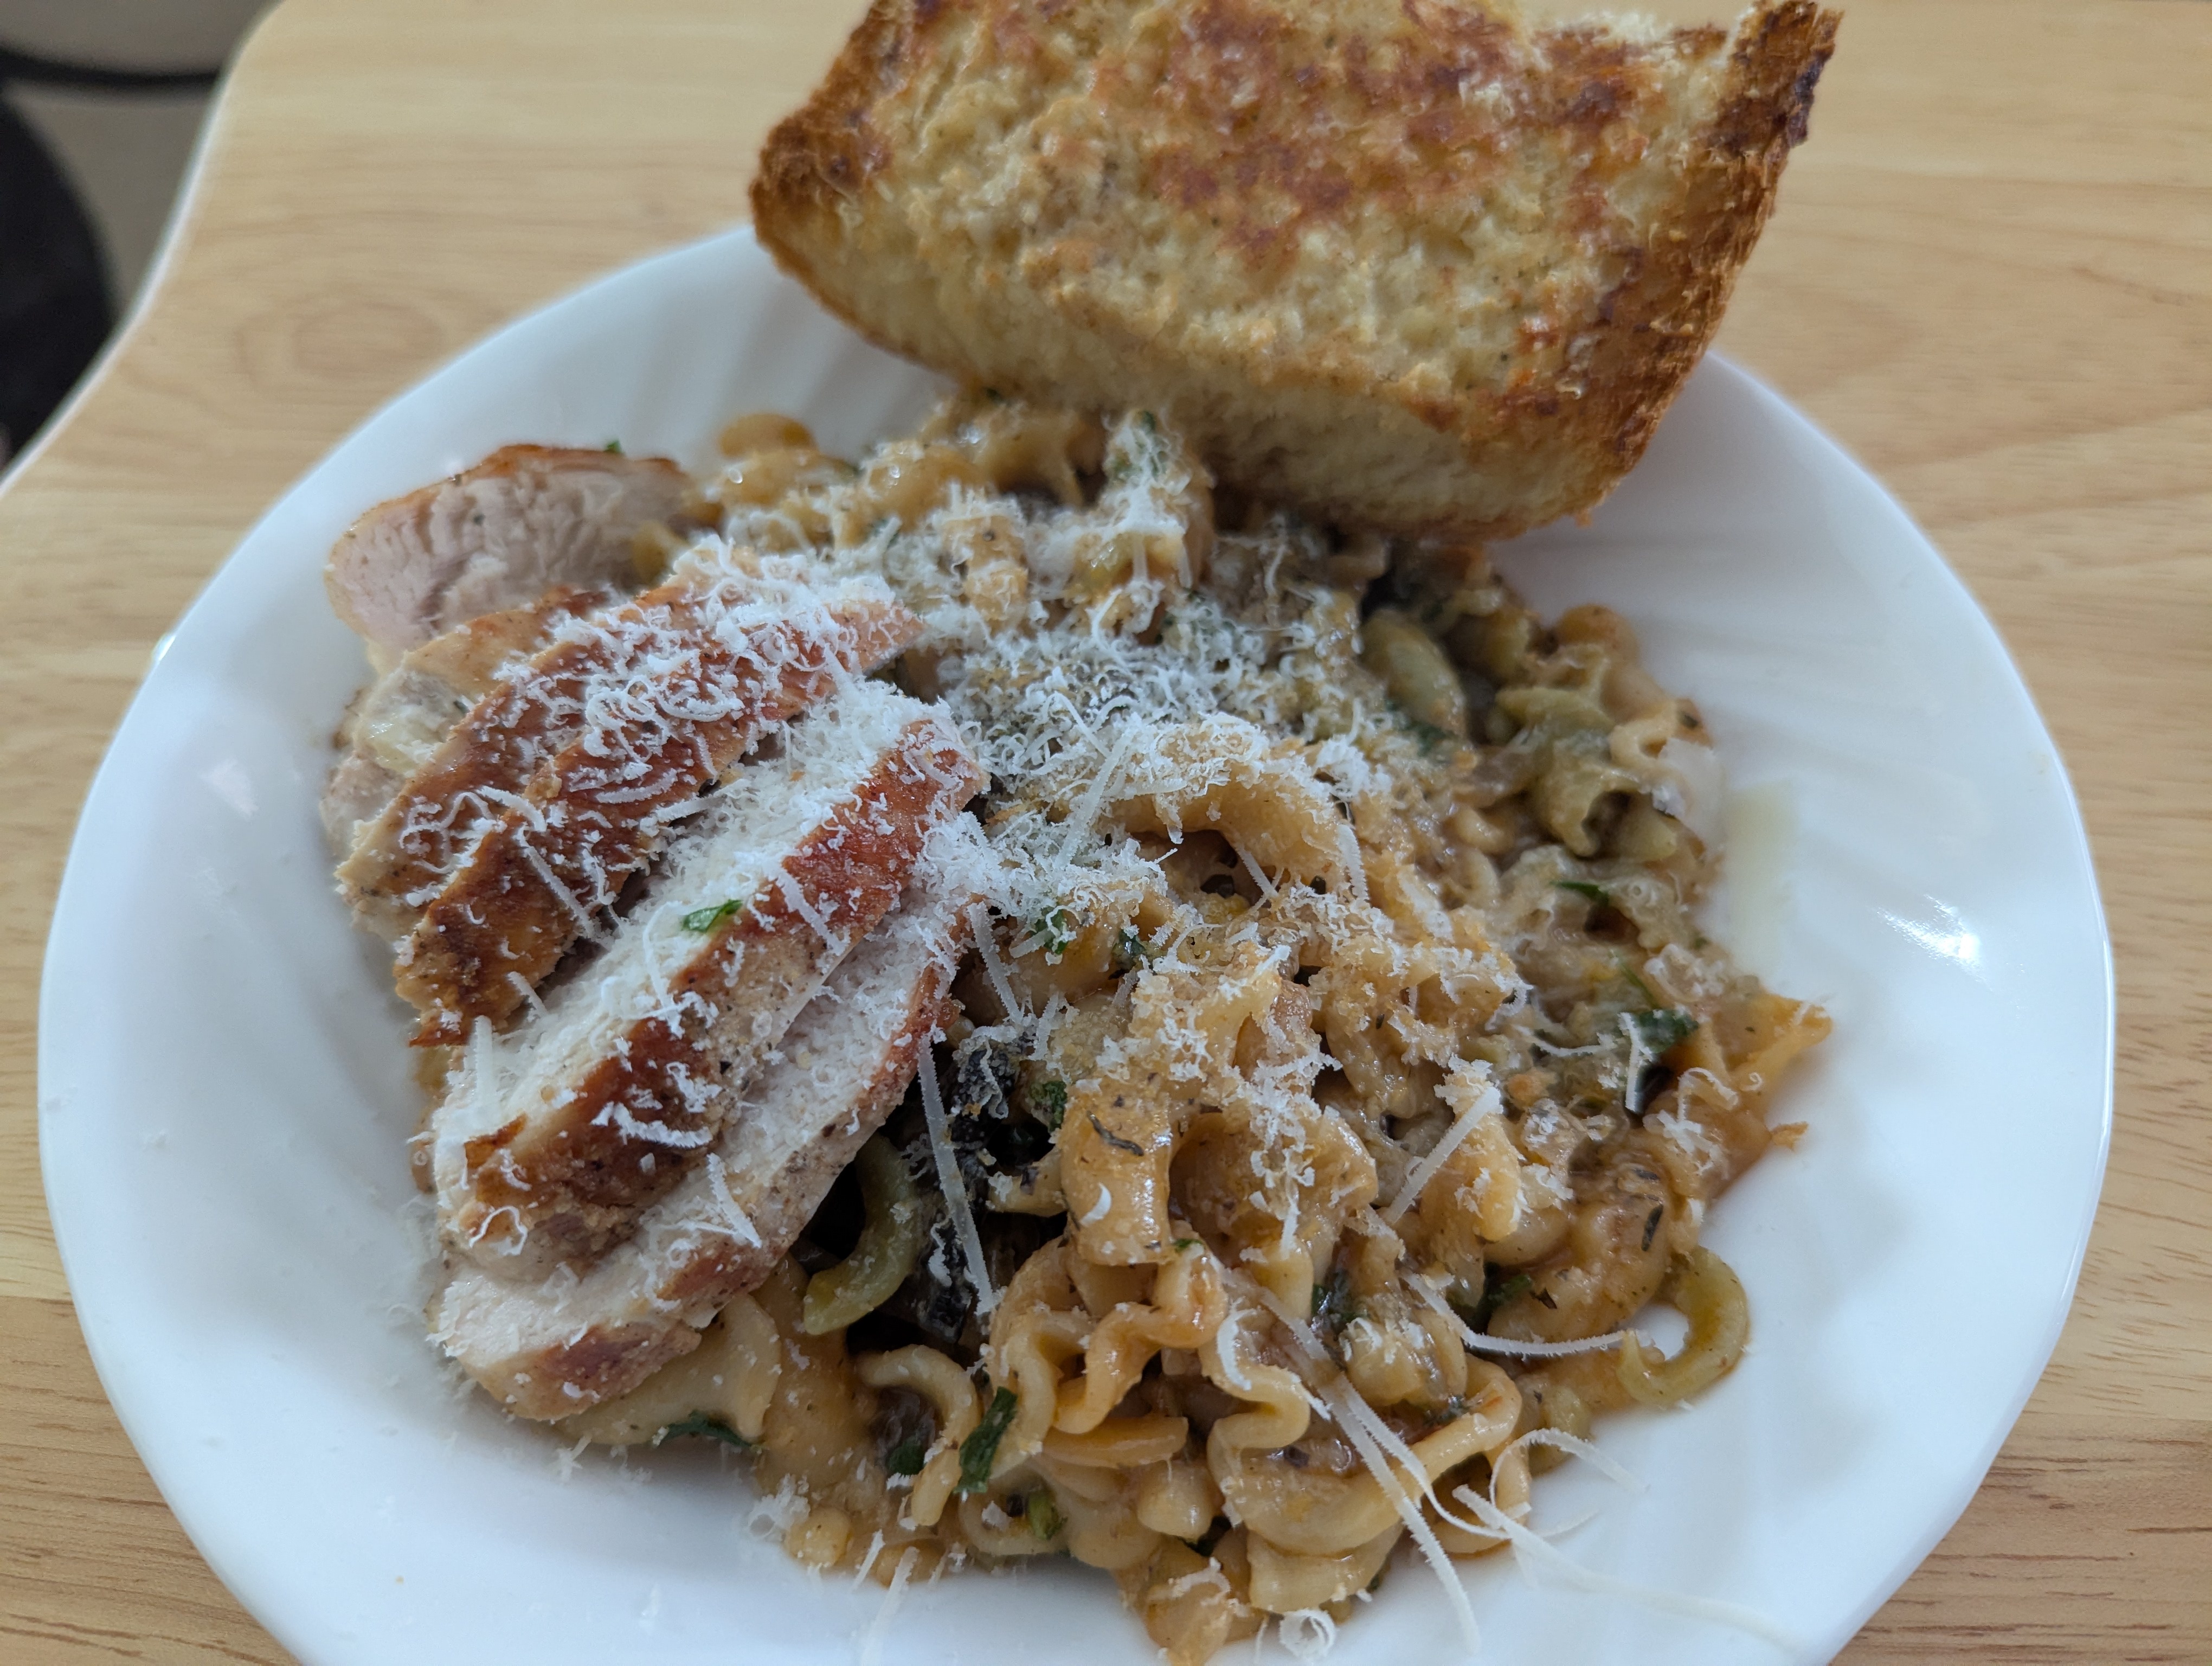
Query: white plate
[{"x": 223, "y": 1094}]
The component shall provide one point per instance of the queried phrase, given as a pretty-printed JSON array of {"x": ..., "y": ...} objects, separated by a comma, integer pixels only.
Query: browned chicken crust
[
  {"x": 522, "y": 736},
  {"x": 1404, "y": 262},
  {"x": 572, "y": 1178},
  {"x": 593, "y": 815}
]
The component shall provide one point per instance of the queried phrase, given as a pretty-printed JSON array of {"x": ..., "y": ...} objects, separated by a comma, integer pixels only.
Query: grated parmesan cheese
[
  {"x": 872, "y": 1641},
  {"x": 1470, "y": 1089},
  {"x": 955, "y": 1189}
]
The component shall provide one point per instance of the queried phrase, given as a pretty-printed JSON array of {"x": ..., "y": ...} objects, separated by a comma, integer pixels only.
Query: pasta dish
[{"x": 1218, "y": 1116}]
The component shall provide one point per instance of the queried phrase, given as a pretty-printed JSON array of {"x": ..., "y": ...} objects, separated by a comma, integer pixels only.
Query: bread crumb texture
[{"x": 1419, "y": 266}]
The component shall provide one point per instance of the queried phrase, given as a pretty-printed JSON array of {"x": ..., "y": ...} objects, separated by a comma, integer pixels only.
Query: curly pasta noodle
[{"x": 1343, "y": 1051}]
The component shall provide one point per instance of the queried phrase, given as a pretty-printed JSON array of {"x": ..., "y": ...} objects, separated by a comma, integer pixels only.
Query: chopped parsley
[
  {"x": 706, "y": 919},
  {"x": 1055, "y": 928},
  {"x": 1451, "y": 1411},
  {"x": 1051, "y": 1098},
  {"x": 1335, "y": 1304},
  {"x": 1427, "y": 736},
  {"x": 1182, "y": 1244},
  {"x": 1498, "y": 1294},
  {"x": 704, "y": 1423},
  {"x": 1596, "y": 893},
  {"x": 980, "y": 1451},
  {"x": 613, "y": 448},
  {"x": 906, "y": 1458},
  {"x": 1667, "y": 1027},
  {"x": 1131, "y": 950}
]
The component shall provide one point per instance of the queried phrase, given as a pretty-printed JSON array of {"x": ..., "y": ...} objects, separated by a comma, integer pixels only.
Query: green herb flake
[
  {"x": 1051, "y": 1098},
  {"x": 1499, "y": 1295},
  {"x": 1427, "y": 736},
  {"x": 704, "y": 1423},
  {"x": 906, "y": 1458},
  {"x": 613, "y": 448},
  {"x": 1042, "y": 1514},
  {"x": 1131, "y": 950},
  {"x": 1182, "y": 1244},
  {"x": 1450, "y": 1412},
  {"x": 1054, "y": 929},
  {"x": 706, "y": 919},
  {"x": 1667, "y": 1027},
  {"x": 1584, "y": 888},
  {"x": 980, "y": 1451},
  {"x": 1335, "y": 1304}
]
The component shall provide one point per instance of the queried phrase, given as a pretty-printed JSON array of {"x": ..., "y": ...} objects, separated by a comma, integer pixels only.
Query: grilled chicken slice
[
  {"x": 403, "y": 718},
  {"x": 352, "y": 798},
  {"x": 498, "y": 536},
  {"x": 742, "y": 644},
  {"x": 551, "y": 1347},
  {"x": 551, "y": 1141},
  {"x": 597, "y": 813}
]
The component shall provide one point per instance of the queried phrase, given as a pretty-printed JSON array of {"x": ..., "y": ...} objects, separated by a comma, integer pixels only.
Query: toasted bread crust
[
  {"x": 573, "y": 1177},
  {"x": 1124, "y": 212},
  {"x": 591, "y": 817},
  {"x": 1662, "y": 322}
]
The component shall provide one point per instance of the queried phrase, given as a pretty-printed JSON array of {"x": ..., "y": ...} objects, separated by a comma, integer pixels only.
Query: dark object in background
[
  {"x": 54, "y": 305},
  {"x": 55, "y": 308}
]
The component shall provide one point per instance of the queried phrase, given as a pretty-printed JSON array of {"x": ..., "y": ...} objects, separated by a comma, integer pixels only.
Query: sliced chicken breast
[
  {"x": 401, "y": 719},
  {"x": 550, "y": 1347},
  {"x": 499, "y": 535},
  {"x": 719, "y": 633},
  {"x": 550, "y": 1142},
  {"x": 555, "y": 858}
]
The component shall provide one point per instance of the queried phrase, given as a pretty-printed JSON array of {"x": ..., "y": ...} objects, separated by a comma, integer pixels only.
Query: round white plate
[{"x": 223, "y": 1095}]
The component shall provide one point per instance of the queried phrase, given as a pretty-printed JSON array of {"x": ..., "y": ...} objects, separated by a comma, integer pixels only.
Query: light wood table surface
[{"x": 1990, "y": 278}]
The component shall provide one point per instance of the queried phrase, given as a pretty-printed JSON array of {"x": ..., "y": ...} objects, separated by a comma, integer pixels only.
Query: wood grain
[{"x": 1990, "y": 278}]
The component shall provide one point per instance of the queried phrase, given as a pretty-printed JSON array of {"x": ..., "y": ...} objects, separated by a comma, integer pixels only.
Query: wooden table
[{"x": 1990, "y": 278}]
